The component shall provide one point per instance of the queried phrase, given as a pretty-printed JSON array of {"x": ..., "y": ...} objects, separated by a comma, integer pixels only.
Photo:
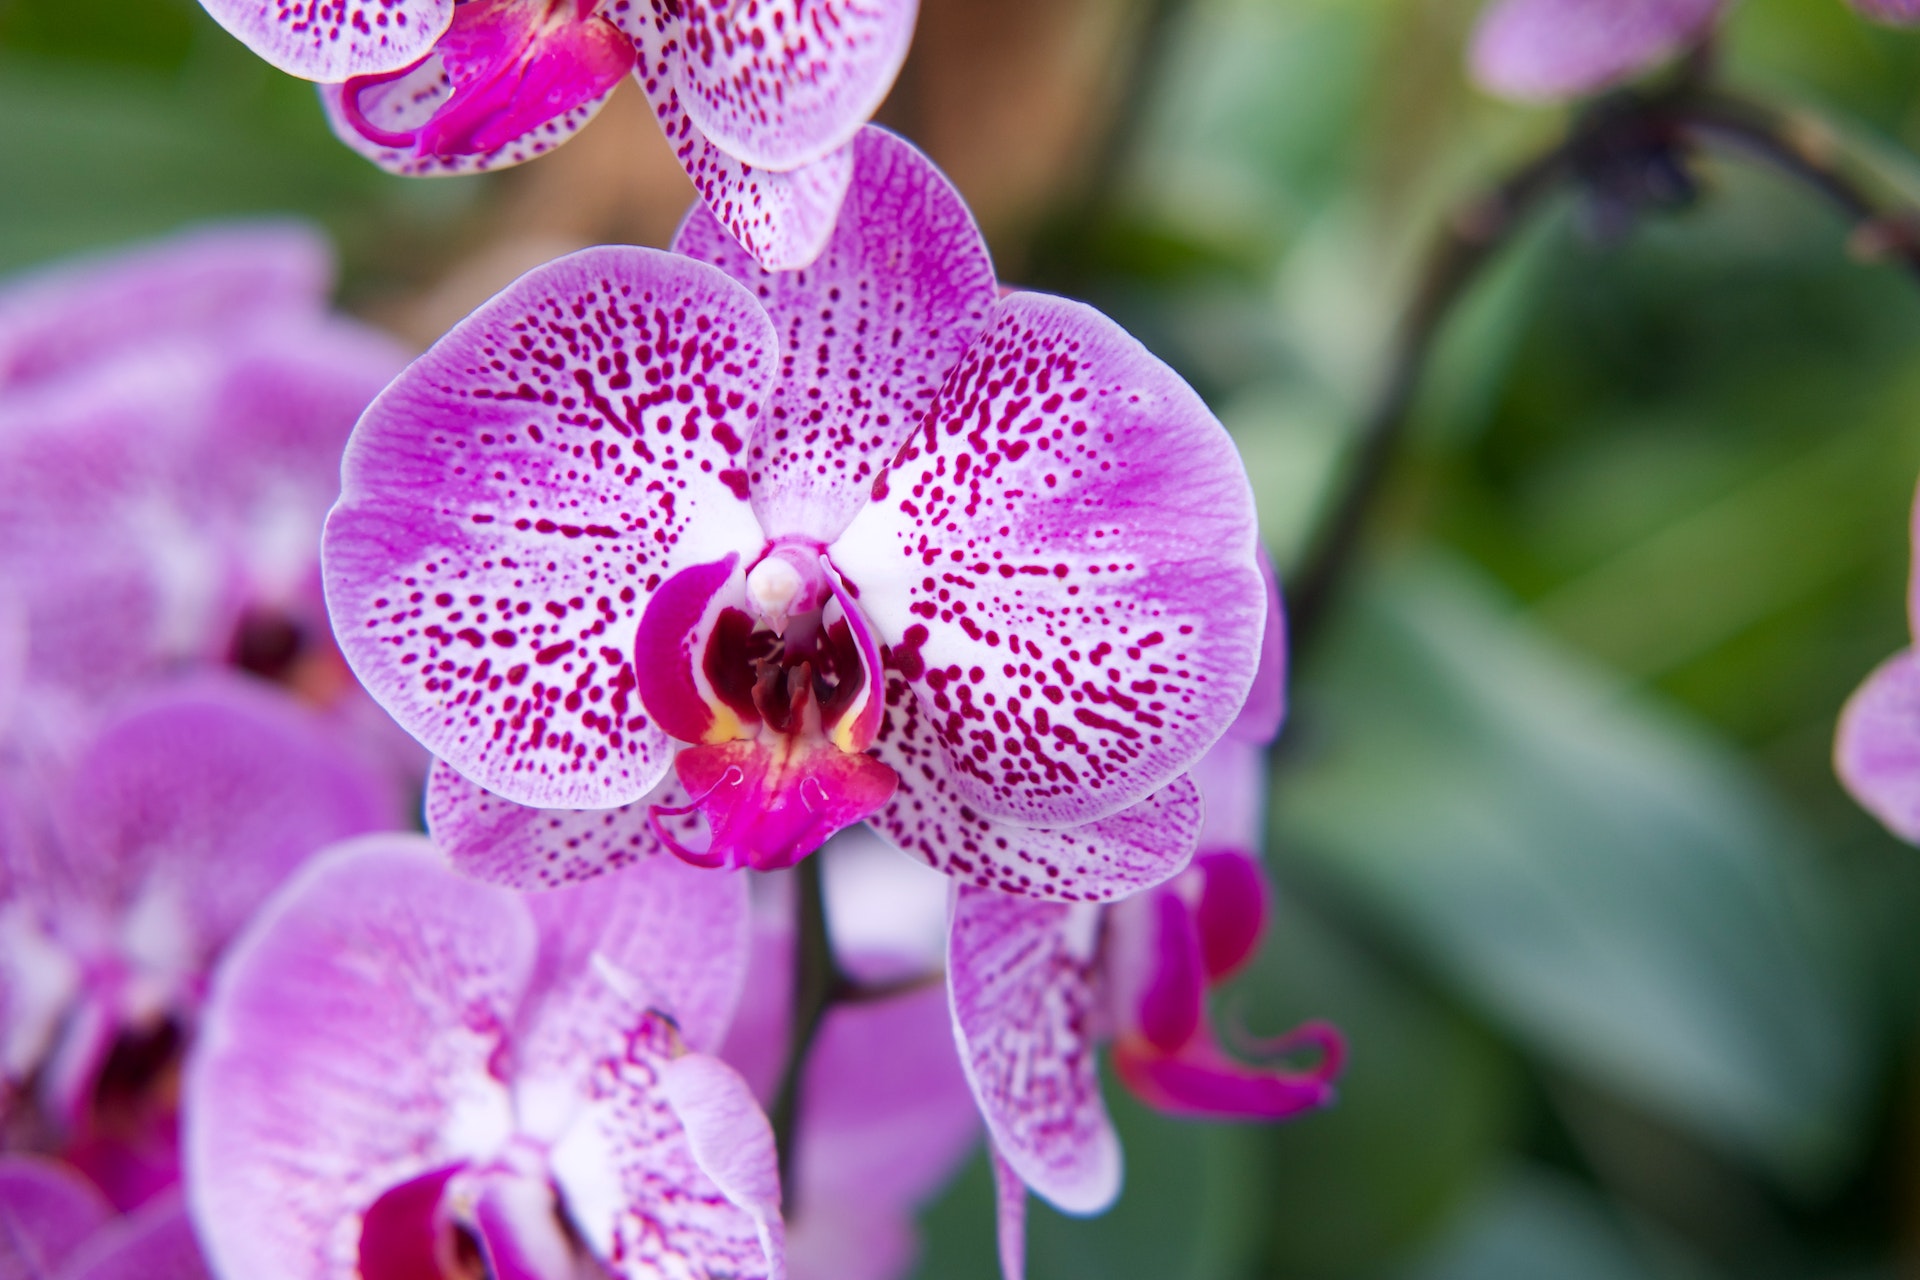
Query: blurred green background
[{"x": 1631, "y": 986}]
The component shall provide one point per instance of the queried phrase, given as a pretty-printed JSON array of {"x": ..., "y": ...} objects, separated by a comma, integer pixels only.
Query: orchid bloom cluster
[
  {"x": 805, "y": 540},
  {"x": 1551, "y": 50},
  {"x": 177, "y": 733},
  {"x": 760, "y": 99},
  {"x": 677, "y": 562}
]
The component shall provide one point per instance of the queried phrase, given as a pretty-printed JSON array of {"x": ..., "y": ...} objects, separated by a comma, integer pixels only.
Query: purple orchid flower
[
  {"x": 867, "y": 541},
  {"x": 759, "y": 98},
  {"x": 405, "y": 1073},
  {"x": 1876, "y": 752},
  {"x": 55, "y": 1225},
  {"x": 1549, "y": 50},
  {"x": 173, "y": 824},
  {"x": 1037, "y": 986},
  {"x": 171, "y": 421}
]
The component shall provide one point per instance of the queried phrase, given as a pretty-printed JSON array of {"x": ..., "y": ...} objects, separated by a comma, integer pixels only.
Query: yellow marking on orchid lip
[
  {"x": 842, "y": 735},
  {"x": 726, "y": 725},
  {"x": 849, "y": 723}
]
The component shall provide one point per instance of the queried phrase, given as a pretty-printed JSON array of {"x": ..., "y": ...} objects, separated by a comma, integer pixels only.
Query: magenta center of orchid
[{"x": 773, "y": 678}]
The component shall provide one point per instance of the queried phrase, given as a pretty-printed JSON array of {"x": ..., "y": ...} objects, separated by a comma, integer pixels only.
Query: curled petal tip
[{"x": 1202, "y": 1082}]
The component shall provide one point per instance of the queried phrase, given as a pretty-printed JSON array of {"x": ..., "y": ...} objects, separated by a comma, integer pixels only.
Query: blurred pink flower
[
  {"x": 171, "y": 421},
  {"x": 1876, "y": 751},
  {"x": 122, "y": 880},
  {"x": 54, "y": 1225},
  {"x": 1547, "y": 50}
]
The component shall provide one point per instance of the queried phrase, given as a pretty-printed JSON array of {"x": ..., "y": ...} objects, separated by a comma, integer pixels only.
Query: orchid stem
[
  {"x": 818, "y": 985},
  {"x": 1802, "y": 148},
  {"x": 1687, "y": 111}
]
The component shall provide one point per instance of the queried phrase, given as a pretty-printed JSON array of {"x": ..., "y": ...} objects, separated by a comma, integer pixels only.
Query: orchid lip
[{"x": 771, "y": 678}]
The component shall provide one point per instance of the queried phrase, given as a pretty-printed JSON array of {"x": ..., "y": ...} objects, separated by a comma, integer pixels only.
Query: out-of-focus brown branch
[
  {"x": 1639, "y": 137},
  {"x": 1803, "y": 148}
]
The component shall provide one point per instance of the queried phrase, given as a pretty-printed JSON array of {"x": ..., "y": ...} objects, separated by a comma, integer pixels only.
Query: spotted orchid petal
[
  {"x": 782, "y": 219},
  {"x": 1077, "y": 619},
  {"x": 330, "y": 40},
  {"x": 868, "y": 333},
  {"x": 1545, "y": 50},
  {"x": 221, "y": 279},
  {"x": 732, "y": 1142},
  {"x": 190, "y": 808},
  {"x": 647, "y": 1173},
  {"x": 508, "y": 844},
  {"x": 47, "y": 1212},
  {"x": 931, "y": 819},
  {"x": 156, "y": 1242},
  {"x": 1232, "y": 777},
  {"x": 782, "y": 83},
  {"x": 349, "y": 1047},
  {"x": 675, "y": 935},
  {"x": 1877, "y": 750},
  {"x": 512, "y": 501},
  {"x": 406, "y": 104},
  {"x": 1022, "y": 980}
]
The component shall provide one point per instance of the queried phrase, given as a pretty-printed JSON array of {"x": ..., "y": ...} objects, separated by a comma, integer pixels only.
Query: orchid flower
[
  {"x": 55, "y": 1225},
  {"x": 1548, "y": 50},
  {"x": 867, "y": 541},
  {"x": 885, "y": 1118},
  {"x": 760, "y": 99},
  {"x": 171, "y": 827},
  {"x": 1877, "y": 749},
  {"x": 1037, "y": 986},
  {"x": 407, "y": 1074},
  {"x": 171, "y": 420}
]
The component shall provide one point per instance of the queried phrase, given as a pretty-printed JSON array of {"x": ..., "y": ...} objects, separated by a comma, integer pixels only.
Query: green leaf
[
  {"x": 1536, "y": 1224},
  {"x": 1604, "y": 879}
]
